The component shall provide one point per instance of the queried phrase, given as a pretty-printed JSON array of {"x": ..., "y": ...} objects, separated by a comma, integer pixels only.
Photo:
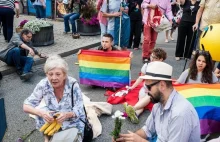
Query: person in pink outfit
[
  {"x": 150, "y": 36},
  {"x": 102, "y": 20}
]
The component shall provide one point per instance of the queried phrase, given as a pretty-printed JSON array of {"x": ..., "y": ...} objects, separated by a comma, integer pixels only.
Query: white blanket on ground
[{"x": 94, "y": 110}]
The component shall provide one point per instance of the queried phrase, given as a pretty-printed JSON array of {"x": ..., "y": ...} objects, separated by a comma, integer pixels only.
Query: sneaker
[
  {"x": 125, "y": 105},
  {"x": 146, "y": 61},
  {"x": 177, "y": 58},
  {"x": 131, "y": 114},
  {"x": 166, "y": 40},
  {"x": 135, "y": 48},
  {"x": 171, "y": 38},
  {"x": 26, "y": 76}
]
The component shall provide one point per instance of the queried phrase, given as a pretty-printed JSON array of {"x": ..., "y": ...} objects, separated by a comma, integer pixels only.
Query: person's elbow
[{"x": 26, "y": 108}]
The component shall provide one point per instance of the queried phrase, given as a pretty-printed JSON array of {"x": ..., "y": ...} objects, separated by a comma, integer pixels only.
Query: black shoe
[
  {"x": 26, "y": 76},
  {"x": 19, "y": 72}
]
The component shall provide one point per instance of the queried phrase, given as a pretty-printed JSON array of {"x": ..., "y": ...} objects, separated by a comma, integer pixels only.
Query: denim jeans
[
  {"x": 103, "y": 29},
  {"x": 7, "y": 19},
  {"x": 14, "y": 58},
  {"x": 40, "y": 11},
  {"x": 70, "y": 17}
]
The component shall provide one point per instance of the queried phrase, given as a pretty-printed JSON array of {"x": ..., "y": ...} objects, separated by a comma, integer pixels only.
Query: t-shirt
[
  {"x": 38, "y": 2},
  {"x": 8, "y": 3},
  {"x": 189, "y": 11},
  {"x": 211, "y": 12},
  {"x": 144, "y": 68},
  {"x": 114, "y": 6},
  {"x": 133, "y": 12},
  {"x": 183, "y": 76},
  {"x": 113, "y": 48}
]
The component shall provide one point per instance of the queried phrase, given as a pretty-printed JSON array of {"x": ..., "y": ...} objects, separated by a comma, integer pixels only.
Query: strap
[
  {"x": 107, "y": 6},
  {"x": 72, "y": 98}
]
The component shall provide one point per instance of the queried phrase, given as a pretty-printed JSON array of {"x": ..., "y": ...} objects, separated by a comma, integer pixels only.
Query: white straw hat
[{"x": 158, "y": 71}]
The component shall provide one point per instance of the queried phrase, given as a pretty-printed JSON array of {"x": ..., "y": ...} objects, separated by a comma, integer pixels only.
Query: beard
[
  {"x": 106, "y": 49},
  {"x": 156, "y": 98}
]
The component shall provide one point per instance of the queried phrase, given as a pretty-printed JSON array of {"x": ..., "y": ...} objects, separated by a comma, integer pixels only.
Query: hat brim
[{"x": 148, "y": 77}]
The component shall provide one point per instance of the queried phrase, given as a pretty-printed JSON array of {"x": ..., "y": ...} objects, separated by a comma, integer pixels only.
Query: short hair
[
  {"x": 26, "y": 32},
  {"x": 160, "y": 53},
  {"x": 169, "y": 84},
  {"x": 109, "y": 36},
  {"x": 55, "y": 61}
]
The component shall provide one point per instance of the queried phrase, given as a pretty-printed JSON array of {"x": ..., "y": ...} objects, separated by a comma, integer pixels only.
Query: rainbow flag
[
  {"x": 105, "y": 69},
  {"x": 206, "y": 100}
]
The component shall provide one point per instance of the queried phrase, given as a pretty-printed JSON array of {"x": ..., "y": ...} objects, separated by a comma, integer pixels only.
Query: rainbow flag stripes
[
  {"x": 206, "y": 100},
  {"x": 105, "y": 69}
]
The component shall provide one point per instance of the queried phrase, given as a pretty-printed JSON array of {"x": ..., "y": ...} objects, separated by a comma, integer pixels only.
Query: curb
[{"x": 10, "y": 70}]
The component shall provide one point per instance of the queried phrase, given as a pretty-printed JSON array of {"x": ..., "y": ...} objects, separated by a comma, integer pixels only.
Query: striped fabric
[
  {"x": 8, "y": 3},
  {"x": 206, "y": 100},
  {"x": 105, "y": 69}
]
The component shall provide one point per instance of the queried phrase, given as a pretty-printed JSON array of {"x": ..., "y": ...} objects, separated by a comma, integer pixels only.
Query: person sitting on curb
[
  {"x": 157, "y": 54},
  {"x": 17, "y": 56},
  {"x": 173, "y": 118},
  {"x": 107, "y": 43}
]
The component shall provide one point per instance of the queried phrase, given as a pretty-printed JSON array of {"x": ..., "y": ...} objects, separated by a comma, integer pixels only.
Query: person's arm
[
  {"x": 24, "y": 46},
  {"x": 199, "y": 15},
  {"x": 137, "y": 82},
  {"x": 99, "y": 4},
  {"x": 43, "y": 3},
  {"x": 183, "y": 77},
  {"x": 181, "y": 2},
  {"x": 168, "y": 11},
  {"x": 17, "y": 11},
  {"x": 138, "y": 136},
  {"x": 115, "y": 14},
  {"x": 34, "y": 100}
]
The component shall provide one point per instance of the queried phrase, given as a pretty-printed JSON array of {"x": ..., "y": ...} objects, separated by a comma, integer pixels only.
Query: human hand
[
  {"x": 44, "y": 6},
  {"x": 60, "y": 117},
  {"x": 117, "y": 14},
  {"x": 31, "y": 51},
  {"x": 46, "y": 115},
  {"x": 130, "y": 137},
  {"x": 42, "y": 55},
  {"x": 195, "y": 27}
]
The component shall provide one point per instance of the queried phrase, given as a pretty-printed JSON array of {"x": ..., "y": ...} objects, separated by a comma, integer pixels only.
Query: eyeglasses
[{"x": 151, "y": 85}]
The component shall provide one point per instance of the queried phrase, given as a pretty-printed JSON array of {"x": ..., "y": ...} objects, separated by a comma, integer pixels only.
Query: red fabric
[
  {"x": 156, "y": 18},
  {"x": 131, "y": 98},
  {"x": 150, "y": 37}
]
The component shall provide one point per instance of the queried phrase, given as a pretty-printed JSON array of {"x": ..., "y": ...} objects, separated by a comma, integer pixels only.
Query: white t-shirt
[
  {"x": 144, "y": 68},
  {"x": 183, "y": 76}
]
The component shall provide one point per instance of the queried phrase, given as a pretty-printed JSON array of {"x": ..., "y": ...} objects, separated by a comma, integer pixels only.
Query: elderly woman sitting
[{"x": 55, "y": 89}]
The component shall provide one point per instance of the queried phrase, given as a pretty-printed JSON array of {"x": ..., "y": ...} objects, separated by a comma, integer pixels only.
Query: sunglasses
[
  {"x": 151, "y": 85},
  {"x": 203, "y": 52}
]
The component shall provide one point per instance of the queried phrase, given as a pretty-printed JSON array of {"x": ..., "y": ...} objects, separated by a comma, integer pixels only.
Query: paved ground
[
  {"x": 15, "y": 92},
  {"x": 64, "y": 44}
]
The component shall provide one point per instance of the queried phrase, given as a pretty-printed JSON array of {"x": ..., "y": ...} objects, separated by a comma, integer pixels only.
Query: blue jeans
[
  {"x": 14, "y": 58},
  {"x": 112, "y": 32},
  {"x": 7, "y": 19},
  {"x": 40, "y": 11},
  {"x": 103, "y": 29},
  {"x": 70, "y": 17}
]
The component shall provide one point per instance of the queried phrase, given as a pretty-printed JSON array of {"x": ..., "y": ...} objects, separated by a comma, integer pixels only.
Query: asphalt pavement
[{"x": 14, "y": 91}]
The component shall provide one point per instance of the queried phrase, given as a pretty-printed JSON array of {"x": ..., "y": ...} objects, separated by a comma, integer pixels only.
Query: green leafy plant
[
  {"x": 35, "y": 25},
  {"x": 119, "y": 117}
]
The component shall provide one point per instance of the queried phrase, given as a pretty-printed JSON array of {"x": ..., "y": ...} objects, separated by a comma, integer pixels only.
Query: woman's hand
[
  {"x": 61, "y": 116},
  {"x": 46, "y": 115}
]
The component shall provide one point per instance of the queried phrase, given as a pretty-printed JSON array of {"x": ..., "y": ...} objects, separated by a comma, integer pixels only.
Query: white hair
[{"x": 55, "y": 61}]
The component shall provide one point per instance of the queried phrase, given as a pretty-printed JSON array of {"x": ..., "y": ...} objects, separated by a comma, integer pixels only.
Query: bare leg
[
  {"x": 166, "y": 35},
  {"x": 46, "y": 138},
  {"x": 171, "y": 34},
  {"x": 139, "y": 106}
]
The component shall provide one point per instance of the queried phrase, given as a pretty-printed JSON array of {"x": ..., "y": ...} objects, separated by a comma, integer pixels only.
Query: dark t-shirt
[
  {"x": 190, "y": 11},
  {"x": 133, "y": 12},
  {"x": 113, "y": 48}
]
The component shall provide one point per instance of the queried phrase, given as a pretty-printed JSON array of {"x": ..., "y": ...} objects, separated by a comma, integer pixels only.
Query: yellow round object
[{"x": 210, "y": 41}]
